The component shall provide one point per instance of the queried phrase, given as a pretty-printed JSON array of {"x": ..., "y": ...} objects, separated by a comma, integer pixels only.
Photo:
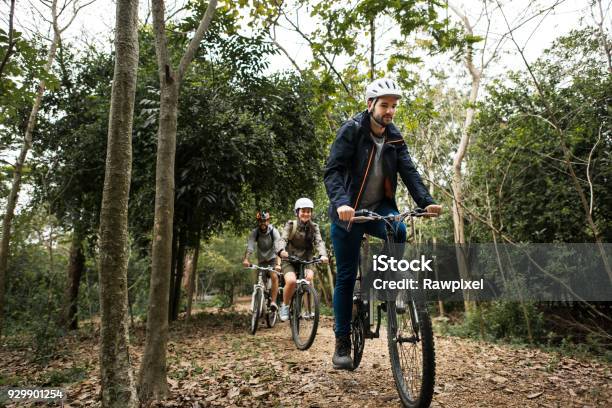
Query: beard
[{"x": 383, "y": 119}]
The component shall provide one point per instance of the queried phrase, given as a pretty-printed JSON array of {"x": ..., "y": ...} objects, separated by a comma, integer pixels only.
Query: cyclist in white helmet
[
  {"x": 301, "y": 238},
  {"x": 361, "y": 173}
]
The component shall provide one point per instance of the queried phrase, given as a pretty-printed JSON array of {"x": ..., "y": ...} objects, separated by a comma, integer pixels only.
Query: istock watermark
[
  {"x": 384, "y": 263},
  {"x": 528, "y": 272}
]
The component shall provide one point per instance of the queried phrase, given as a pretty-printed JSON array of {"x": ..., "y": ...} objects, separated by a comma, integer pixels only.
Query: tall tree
[
  {"x": 152, "y": 377},
  {"x": 118, "y": 388},
  {"x": 27, "y": 139},
  {"x": 606, "y": 45},
  {"x": 476, "y": 62}
]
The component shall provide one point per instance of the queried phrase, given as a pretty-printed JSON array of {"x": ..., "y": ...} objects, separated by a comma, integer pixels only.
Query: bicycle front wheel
[
  {"x": 411, "y": 349},
  {"x": 304, "y": 316},
  {"x": 271, "y": 316},
  {"x": 257, "y": 306}
]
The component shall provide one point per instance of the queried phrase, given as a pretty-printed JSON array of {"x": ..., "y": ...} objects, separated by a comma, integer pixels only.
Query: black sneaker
[{"x": 342, "y": 356}]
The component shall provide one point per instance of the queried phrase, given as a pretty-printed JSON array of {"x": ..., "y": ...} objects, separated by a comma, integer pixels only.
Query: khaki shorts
[
  {"x": 287, "y": 267},
  {"x": 267, "y": 264}
]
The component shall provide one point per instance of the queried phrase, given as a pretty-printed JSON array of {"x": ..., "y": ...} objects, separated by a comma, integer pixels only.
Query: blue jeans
[{"x": 346, "y": 249}]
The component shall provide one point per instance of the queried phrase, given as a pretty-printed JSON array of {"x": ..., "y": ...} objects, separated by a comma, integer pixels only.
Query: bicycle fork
[{"x": 258, "y": 285}]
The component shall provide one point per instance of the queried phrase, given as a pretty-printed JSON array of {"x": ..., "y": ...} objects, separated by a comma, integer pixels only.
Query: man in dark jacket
[{"x": 361, "y": 173}]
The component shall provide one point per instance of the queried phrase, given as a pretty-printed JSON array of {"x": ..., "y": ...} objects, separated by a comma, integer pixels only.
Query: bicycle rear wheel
[
  {"x": 257, "y": 306},
  {"x": 304, "y": 316},
  {"x": 411, "y": 349}
]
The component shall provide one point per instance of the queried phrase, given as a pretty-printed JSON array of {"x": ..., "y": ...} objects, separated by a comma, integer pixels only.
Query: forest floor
[{"x": 214, "y": 362}]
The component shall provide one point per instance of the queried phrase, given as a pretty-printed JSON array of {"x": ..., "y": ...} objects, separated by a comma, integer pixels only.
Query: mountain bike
[
  {"x": 409, "y": 333},
  {"x": 304, "y": 306},
  {"x": 262, "y": 299}
]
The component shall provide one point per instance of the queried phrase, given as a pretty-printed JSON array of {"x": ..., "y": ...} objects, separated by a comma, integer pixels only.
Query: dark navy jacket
[{"x": 348, "y": 165}]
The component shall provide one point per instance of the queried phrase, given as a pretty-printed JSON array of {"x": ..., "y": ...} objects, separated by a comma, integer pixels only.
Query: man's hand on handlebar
[
  {"x": 284, "y": 254},
  {"x": 345, "y": 212},
  {"x": 246, "y": 263},
  {"x": 324, "y": 259}
]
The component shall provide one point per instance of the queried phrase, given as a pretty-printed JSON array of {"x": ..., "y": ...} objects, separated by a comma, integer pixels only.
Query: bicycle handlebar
[
  {"x": 292, "y": 258},
  {"x": 367, "y": 215},
  {"x": 263, "y": 268}
]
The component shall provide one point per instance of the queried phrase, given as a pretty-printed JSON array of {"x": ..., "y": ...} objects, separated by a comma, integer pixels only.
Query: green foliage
[
  {"x": 228, "y": 113},
  {"x": 221, "y": 270},
  {"x": 69, "y": 148},
  {"x": 59, "y": 377},
  {"x": 36, "y": 285},
  {"x": 339, "y": 32},
  {"x": 501, "y": 321},
  {"x": 18, "y": 80},
  {"x": 591, "y": 345},
  {"x": 517, "y": 156}
]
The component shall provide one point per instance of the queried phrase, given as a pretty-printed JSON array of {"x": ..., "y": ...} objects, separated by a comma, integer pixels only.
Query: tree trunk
[
  {"x": 76, "y": 266},
  {"x": 178, "y": 276},
  {"x": 372, "y": 49},
  {"x": 603, "y": 37},
  {"x": 193, "y": 276},
  {"x": 457, "y": 186},
  {"x": 175, "y": 244},
  {"x": 7, "y": 220},
  {"x": 11, "y": 42},
  {"x": 118, "y": 388},
  {"x": 152, "y": 377}
]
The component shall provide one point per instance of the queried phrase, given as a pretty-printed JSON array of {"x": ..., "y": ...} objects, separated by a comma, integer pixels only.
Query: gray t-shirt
[
  {"x": 374, "y": 191},
  {"x": 265, "y": 243}
]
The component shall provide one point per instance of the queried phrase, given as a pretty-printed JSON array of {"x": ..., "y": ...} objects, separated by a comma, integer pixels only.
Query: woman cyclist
[{"x": 300, "y": 238}]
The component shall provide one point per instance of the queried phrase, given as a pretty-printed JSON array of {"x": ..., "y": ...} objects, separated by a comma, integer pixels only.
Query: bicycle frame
[
  {"x": 300, "y": 278},
  {"x": 301, "y": 265},
  {"x": 263, "y": 283},
  {"x": 365, "y": 307}
]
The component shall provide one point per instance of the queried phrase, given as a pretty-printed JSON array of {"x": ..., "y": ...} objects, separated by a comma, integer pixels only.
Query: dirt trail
[{"x": 214, "y": 362}]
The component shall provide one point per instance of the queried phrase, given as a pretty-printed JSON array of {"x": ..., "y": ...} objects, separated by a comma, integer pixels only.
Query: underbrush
[{"x": 527, "y": 325}]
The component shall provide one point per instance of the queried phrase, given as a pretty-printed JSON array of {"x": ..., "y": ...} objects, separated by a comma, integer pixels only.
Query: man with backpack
[{"x": 265, "y": 237}]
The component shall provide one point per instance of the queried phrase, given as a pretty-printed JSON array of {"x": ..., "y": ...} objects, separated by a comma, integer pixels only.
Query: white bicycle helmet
[
  {"x": 382, "y": 87},
  {"x": 303, "y": 203}
]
